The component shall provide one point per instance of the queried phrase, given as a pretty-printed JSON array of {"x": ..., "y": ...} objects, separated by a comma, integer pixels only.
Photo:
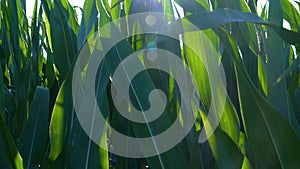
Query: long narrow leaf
[{"x": 34, "y": 137}]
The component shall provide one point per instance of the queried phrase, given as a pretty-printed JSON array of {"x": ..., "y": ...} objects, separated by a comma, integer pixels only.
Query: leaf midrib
[
  {"x": 269, "y": 130},
  {"x": 33, "y": 138}
]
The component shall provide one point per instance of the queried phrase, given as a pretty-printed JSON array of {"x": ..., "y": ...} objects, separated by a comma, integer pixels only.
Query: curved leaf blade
[
  {"x": 269, "y": 134},
  {"x": 34, "y": 137}
]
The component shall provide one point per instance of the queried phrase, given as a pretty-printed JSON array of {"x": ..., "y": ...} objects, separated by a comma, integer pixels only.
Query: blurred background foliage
[{"x": 257, "y": 44}]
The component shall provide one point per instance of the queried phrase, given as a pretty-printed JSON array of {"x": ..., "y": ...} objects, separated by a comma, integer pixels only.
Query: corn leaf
[{"x": 33, "y": 140}]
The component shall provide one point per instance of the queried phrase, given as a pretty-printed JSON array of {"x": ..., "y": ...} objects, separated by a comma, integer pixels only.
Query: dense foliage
[{"x": 259, "y": 127}]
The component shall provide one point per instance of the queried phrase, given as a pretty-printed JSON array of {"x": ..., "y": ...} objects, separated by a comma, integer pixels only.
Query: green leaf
[
  {"x": 229, "y": 121},
  {"x": 89, "y": 18},
  {"x": 64, "y": 40},
  {"x": 35, "y": 43},
  {"x": 277, "y": 94},
  {"x": 225, "y": 151},
  {"x": 71, "y": 15},
  {"x": 34, "y": 138},
  {"x": 82, "y": 153},
  {"x": 140, "y": 94},
  {"x": 196, "y": 158},
  {"x": 205, "y": 20},
  {"x": 193, "y": 5},
  {"x": 60, "y": 124},
  {"x": 269, "y": 134},
  {"x": 115, "y": 9},
  {"x": 9, "y": 155},
  {"x": 2, "y": 101},
  {"x": 291, "y": 14},
  {"x": 292, "y": 67},
  {"x": 12, "y": 22},
  {"x": 70, "y": 145},
  {"x": 103, "y": 11},
  {"x": 127, "y": 6},
  {"x": 13, "y": 15},
  {"x": 246, "y": 164},
  {"x": 50, "y": 74}
]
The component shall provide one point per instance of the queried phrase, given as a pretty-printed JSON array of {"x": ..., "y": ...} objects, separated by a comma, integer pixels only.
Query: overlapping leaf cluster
[{"x": 259, "y": 127}]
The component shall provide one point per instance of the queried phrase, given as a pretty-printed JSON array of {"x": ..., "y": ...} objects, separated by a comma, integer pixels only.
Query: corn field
[{"x": 256, "y": 46}]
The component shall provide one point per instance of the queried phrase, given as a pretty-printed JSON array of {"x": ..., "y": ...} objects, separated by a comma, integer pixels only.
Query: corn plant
[{"x": 257, "y": 46}]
